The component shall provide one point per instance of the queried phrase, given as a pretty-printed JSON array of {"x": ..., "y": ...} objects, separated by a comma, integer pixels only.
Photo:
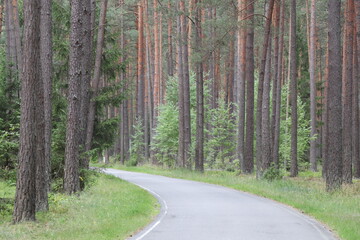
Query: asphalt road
[{"x": 199, "y": 211}]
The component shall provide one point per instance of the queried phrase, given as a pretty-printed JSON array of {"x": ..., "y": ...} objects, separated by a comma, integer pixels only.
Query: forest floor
[
  {"x": 339, "y": 210},
  {"x": 110, "y": 209}
]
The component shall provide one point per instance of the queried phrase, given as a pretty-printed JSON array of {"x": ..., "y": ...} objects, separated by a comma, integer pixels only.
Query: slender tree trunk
[
  {"x": 264, "y": 56},
  {"x": 149, "y": 84},
  {"x": 24, "y": 208},
  {"x": 357, "y": 68},
  {"x": 293, "y": 91},
  {"x": 96, "y": 78},
  {"x": 157, "y": 63},
  {"x": 187, "y": 116},
  {"x": 184, "y": 93},
  {"x": 312, "y": 70},
  {"x": 334, "y": 151},
  {"x": 86, "y": 78},
  {"x": 347, "y": 92},
  {"x": 242, "y": 74},
  {"x": 276, "y": 24},
  {"x": 180, "y": 73},
  {"x": 43, "y": 112},
  {"x": 199, "y": 149},
  {"x": 249, "y": 140},
  {"x": 355, "y": 107},
  {"x": 170, "y": 60},
  {"x": 71, "y": 169},
  {"x": 265, "y": 124},
  {"x": 278, "y": 85}
]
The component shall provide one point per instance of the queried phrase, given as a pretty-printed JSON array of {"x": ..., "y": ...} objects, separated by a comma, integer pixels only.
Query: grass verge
[
  {"x": 339, "y": 210},
  {"x": 111, "y": 209}
]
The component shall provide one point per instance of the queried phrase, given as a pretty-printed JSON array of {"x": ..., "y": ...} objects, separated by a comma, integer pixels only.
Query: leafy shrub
[{"x": 273, "y": 173}]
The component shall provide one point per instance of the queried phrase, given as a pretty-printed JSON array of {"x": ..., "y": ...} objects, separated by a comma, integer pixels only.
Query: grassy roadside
[
  {"x": 340, "y": 210},
  {"x": 111, "y": 209}
]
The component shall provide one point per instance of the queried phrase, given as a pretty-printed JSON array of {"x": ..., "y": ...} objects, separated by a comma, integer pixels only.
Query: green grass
[
  {"x": 340, "y": 210},
  {"x": 111, "y": 209}
]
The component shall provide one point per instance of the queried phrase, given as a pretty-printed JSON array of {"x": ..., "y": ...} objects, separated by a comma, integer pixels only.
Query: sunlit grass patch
[{"x": 111, "y": 209}]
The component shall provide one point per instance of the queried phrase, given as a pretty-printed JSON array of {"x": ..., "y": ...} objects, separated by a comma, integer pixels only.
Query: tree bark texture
[
  {"x": 25, "y": 199},
  {"x": 355, "y": 111},
  {"x": 293, "y": 91},
  {"x": 266, "y": 158},
  {"x": 347, "y": 91},
  {"x": 71, "y": 171},
  {"x": 279, "y": 84},
  {"x": 96, "y": 78},
  {"x": 312, "y": 71},
  {"x": 250, "y": 80},
  {"x": 334, "y": 151},
  {"x": 85, "y": 78},
  {"x": 264, "y": 56},
  {"x": 242, "y": 85},
  {"x": 184, "y": 87},
  {"x": 356, "y": 79},
  {"x": 44, "y": 168},
  {"x": 199, "y": 149}
]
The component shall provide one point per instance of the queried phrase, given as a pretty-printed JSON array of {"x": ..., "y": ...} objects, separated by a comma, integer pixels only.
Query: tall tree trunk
[
  {"x": 199, "y": 149},
  {"x": 44, "y": 111},
  {"x": 355, "y": 107},
  {"x": 357, "y": 68},
  {"x": 86, "y": 78},
  {"x": 293, "y": 91},
  {"x": 276, "y": 20},
  {"x": 170, "y": 61},
  {"x": 71, "y": 169},
  {"x": 96, "y": 78},
  {"x": 265, "y": 124},
  {"x": 157, "y": 63},
  {"x": 312, "y": 70},
  {"x": 184, "y": 93},
  {"x": 149, "y": 84},
  {"x": 347, "y": 91},
  {"x": 249, "y": 139},
  {"x": 24, "y": 208},
  {"x": 180, "y": 73},
  {"x": 279, "y": 84},
  {"x": 334, "y": 151},
  {"x": 241, "y": 78},
  {"x": 264, "y": 56}
]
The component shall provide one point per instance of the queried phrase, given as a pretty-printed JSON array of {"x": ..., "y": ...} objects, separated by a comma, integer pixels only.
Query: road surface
[{"x": 199, "y": 211}]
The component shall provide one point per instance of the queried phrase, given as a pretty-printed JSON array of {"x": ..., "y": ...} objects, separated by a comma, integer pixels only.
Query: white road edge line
[
  {"x": 308, "y": 220},
  {"x": 162, "y": 216}
]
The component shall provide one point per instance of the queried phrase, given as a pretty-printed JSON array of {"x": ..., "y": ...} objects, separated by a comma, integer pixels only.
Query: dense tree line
[{"x": 240, "y": 85}]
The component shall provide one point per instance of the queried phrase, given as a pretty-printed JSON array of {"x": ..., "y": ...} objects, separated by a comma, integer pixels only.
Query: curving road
[{"x": 199, "y": 211}]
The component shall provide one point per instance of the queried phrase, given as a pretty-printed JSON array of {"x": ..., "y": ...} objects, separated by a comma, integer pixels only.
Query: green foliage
[
  {"x": 285, "y": 130},
  {"x": 137, "y": 144},
  {"x": 273, "y": 173},
  {"x": 9, "y": 116},
  {"x": 166, "y": 143},
  {"x": 221, "y": 144}
]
